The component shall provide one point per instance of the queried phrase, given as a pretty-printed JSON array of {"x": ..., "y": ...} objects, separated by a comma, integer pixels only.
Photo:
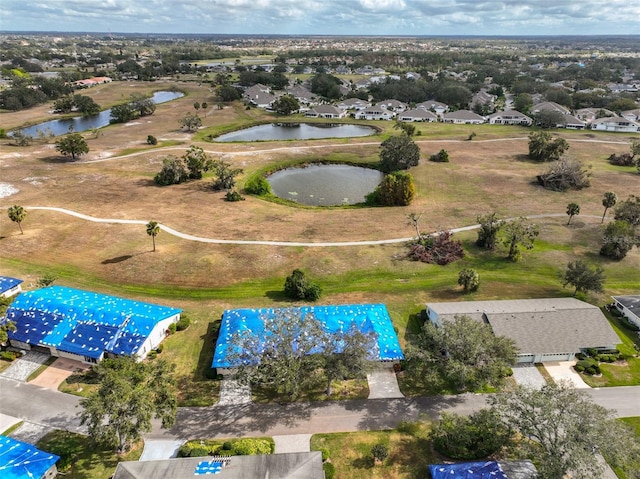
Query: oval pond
[
  {"x": 296, "y": 131},
  {"x": 325, "y": 185}
]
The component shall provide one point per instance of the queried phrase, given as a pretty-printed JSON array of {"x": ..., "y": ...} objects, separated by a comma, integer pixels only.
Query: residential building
[
  {"x": 465, "y": 117},
  {"x": 589, "y": 114},
  {"x": 552, "y": 329},
  {"x": 632, "y": 115},
  {"x": 617, "y": 123},
  {"x": 629, "y": 306},
  {"x": 509, "y": 117},
  {"x": 10, "y": 286},
  {"x": 550, "y": 106},
  {"x": 293, "y": 465},
  {"x": 86, "y": 326},
  {"x": 367, "y": 318},
  {"x": 417, "y": 114},
  {"x": 353, "y": 104},
  {"x": 19, "y": 460},
  {"x": 485, "y": 470},
  {"x": 434, "y": 106},
  {"x": 572, "y": 123},
  {"x": 325, "y": 111},
  {"x": 374, "y": 113},
  {"x": 392, "y": 105}
]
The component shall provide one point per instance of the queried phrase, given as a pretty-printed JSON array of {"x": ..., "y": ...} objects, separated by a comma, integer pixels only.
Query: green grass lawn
[
  {"x": 619, "y": 374},
  {"x": 81, "y": 459},
  {"x": 634, "y": 423},
  {"x": 350, "y": 453}
]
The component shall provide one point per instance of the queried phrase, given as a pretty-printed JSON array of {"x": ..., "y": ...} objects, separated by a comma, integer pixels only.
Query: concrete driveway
[
  {"x": 528, "y": 375},
  {"x": 59, "y": 370},
  {"x": 563, "y": 371}
]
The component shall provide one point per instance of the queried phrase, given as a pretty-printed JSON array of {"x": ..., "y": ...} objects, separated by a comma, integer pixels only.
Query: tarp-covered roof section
[
  {"x": 367, "y": 317},
  {"x": 83, "y": 322},
  {"x": 19, "y": 460},
  {"x": 6, "y": 283},
  {"x": 467, "y": 470}
]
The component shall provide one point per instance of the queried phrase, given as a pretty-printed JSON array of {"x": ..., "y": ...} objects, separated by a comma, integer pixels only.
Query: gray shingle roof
[
  {"x": 298, "y": 465},
  {"x": 551, "y": 325}
]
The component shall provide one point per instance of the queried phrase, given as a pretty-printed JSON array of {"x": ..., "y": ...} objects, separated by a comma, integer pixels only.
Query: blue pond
[
  {"x": 84, "y": 123},
  {"x": 296, "y": 131}
]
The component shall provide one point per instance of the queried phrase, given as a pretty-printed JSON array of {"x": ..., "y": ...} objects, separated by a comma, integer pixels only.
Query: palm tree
[
  {"x": 17, "y": 214},
  {"x": 573, "y": 209},
  {"x": 609, "y": 201},
  {"x": 153, "y": 228}
]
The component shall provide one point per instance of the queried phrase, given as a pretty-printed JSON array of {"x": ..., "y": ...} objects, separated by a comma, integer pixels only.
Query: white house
[
  {"x": 632, "y": 115},
  {"x": 10, "y": 286},
  {"x": 417, "y": 114},
  {"x": 374, "y": 113},
  {"x": 465, "y": 117},
  {"x": 509, "y": 117},
  {"x": 616, "y": 123},
  {"x": 325, "y": 111},
  {"x": 434, "y": 106},
  {"x": 392, "y": 105},
  {"x": 629, "y": 306},
  {"x": 353, "y": 104},
  {"x": 549, "y": 106}
]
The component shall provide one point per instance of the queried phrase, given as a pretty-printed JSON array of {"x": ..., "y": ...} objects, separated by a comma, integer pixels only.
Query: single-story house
[
  {"x": 616, "y": 123},
  {"x": 417, "y": 114},
  {"x": 392, "y": 105},
  {"x": 590, "y": 114},
  {"x": 366, "y": 317},
  {"x": 465, "y": 117},
  {"x": 84, "y": 326},
  {"x": 485, "y": 470},
  {"x": 482, "y": 98},
  {"x": 353, "y": 104},
  {"x": 632, "y": 115},
  {"x": 434, "y": 106},
  {"x": 629, "y": 306},
  {"x": 292, "y": 465},
  {"x": 302, "y": 94},
  {"x": 10, "y": 286},
  {"x": 509, "y": 117},
  {"x": 549, "y": 106},
  {"x": 19, "y": 460},
  {"x": 374, "y": 113},
  {"x": 325, "y": 111},
  {"x": 551, "y": 329},
  {"x": 572, "y": 123}
]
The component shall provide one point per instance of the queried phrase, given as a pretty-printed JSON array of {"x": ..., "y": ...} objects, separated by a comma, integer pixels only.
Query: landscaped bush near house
[
  {"x": 329, "y": 470},
  {"x": 325, "y": 454},
  {"x": 172, "y": 328},
  {"x": 588, "y": 366},
  {"x": 199, "y": 452},
  {"x": 183, "y": 323},
  {"x": 628, "y": 324},
  {"x": 237, "y": 447},
  {"x": 8, "y": 355}
]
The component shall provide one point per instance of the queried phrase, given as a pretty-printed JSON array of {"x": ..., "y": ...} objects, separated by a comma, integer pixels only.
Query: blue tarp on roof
[
  {"x": 467, "y": 470},
  {"x": 366, "y": 317},
  {"x": 208, "y": 467},
  {"x": 6, "y": 283},
  {"x": 83, "y": 322},
  {"x": 19, "y": 460}
]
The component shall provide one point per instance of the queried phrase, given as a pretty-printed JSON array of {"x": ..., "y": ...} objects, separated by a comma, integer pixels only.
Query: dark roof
[
  {"x": 632, "y": 303},
  {"x": 296, "y": 465}
]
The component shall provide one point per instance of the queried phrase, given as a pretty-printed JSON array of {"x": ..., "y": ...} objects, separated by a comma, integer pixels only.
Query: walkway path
[{"x": 200, "y": 239}]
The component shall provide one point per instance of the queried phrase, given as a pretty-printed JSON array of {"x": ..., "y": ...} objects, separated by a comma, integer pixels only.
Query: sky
[{"x": 328, "y": 17}]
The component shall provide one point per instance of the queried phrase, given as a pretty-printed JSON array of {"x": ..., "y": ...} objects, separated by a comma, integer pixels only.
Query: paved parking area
[
  {"x": 563, "y": 371},
  {"x": 60, "y": 370},
  {"x": 383, "y": 384},
  {"x": 528, "y": 375},
  {"x": 22, "y": 367}
]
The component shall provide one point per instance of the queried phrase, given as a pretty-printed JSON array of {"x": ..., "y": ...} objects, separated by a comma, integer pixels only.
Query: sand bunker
[{"x": 7, "y": 190}]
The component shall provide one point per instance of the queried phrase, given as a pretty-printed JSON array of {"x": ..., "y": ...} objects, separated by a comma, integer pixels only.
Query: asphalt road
[{"x": 55, "y": 409}]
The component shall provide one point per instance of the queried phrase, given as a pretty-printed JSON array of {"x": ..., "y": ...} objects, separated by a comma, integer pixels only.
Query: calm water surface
[
  {"x": 296, "y": 131},
  {"x": 325, "y": 185}
]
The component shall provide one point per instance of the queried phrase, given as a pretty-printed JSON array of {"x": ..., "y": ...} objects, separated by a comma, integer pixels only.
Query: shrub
[
  {"x": 152, "y": 140},
  {"x": 233, "y": 196},
  {"x": 250, "y": 447},
  {"x": 183, "y": 323},
  {"x": 380, "y": 452},
  {"x": 172, "y": 328},
  {"x": 329, "y": 470},
  {"x": 442, "y": 156},
  {"x": 411, "y": 428},
  {"x": 579, "y": 368},
  {"x": 258, "y": 185},
  {"x": 160, "y": 348},
  {"x": 199, "y": 451},
  {"x": 628, "y": 324},
  {"x": 152, "y": 354},
  {"x": 8, "y": 355},
  {"x": 625, "y": 159},
  {"x": 227, "y": 446},
  {"x": 325, "y": 454},
  {"x": 184, "y": 450},
  {"x": 297, "y": 286},
  {"x": 395, "y": 189}
]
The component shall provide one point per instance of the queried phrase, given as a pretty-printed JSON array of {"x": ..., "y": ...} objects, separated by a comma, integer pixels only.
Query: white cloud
[{"x": 360, "y": 17}]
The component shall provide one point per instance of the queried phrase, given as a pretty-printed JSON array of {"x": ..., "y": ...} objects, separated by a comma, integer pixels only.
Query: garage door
[
  {"x": 526, "y": 358},
  {"x": 546, "y": 358}
]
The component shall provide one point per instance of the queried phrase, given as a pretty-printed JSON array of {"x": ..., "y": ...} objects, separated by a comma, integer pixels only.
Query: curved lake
[
  {"x": 84, "y": 123},
  {"x": 296, "y": 131},
  {"x": 325, "y": 185}
]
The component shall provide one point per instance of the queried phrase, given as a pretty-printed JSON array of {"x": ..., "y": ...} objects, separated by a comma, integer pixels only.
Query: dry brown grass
[{"x": 482, "y": 177}]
